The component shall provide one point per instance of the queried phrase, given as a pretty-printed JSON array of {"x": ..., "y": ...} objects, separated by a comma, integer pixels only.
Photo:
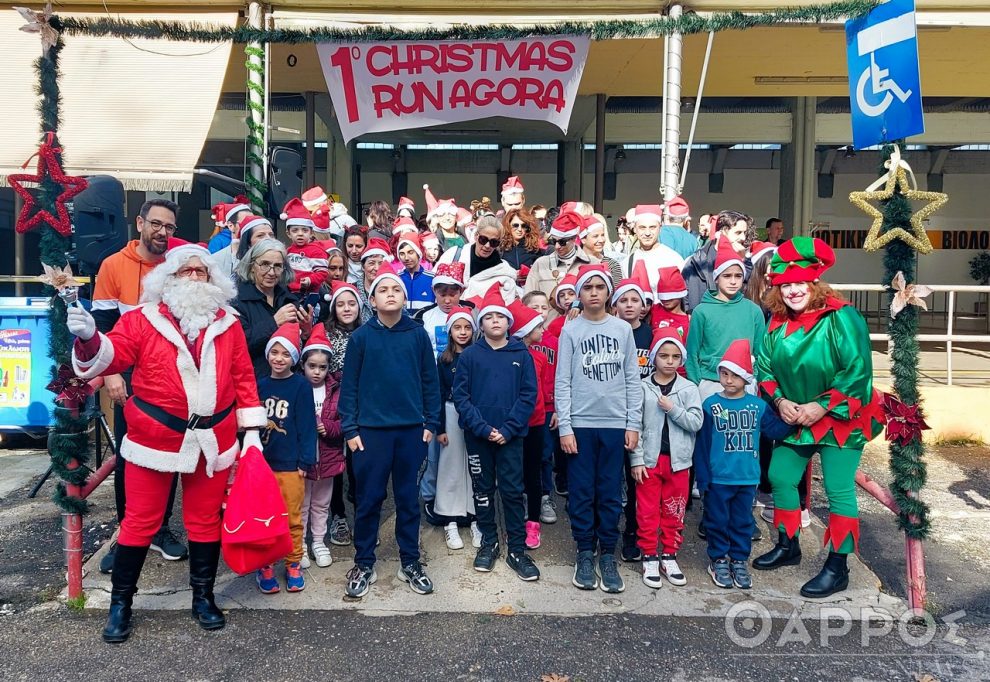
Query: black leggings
[{"x": 533, "y": 471}]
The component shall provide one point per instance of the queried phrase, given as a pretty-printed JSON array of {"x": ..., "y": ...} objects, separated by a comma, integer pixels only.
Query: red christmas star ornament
[
  {"x": 70, "y": 390},
  {"x": 904, "y": 422},
  {"x": 48, "y": 168}
]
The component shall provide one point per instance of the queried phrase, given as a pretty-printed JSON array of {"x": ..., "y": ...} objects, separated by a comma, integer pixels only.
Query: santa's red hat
[
  {"x": 338, "y": 288},
  {"x": 451, "y": 274},
  {"x": 567, "y": 225},
  {"x": 670, "y": 284},
  {"x": 648, "y": 212},
  {"x": 677, "y": 208},
  {"x": 296, "y": 213},
  {"x": 568, "y": 206},
  {"x": 569, "y": 283},
  {"x": 589, "y": 223},
  {"x": 438, "y": 207},
  {"x": 738, "y": 359},
  {"x": 428, "y": 239},
  {"x": 524, "y": 319},
  {"x": 759, "y": 250},
  {"x": 460, "y": 313},
  {"x": 726, "y": 257},
  {"x": 318, "y": 340},
  {"x": 667, "y": 335},
  {"x": 314, "y": 197},
  {"x": 411, "y": 239},
  {"x": 404, "y": 224},
  {"x": 512, "y": 186},
  {"x": 586, "y": 272},
  {"x": 249, "y": 222},
  {"x": 288, "y": 335},
  {"x": 464, "y": 217},
  {"x": 179, "y": 251},
  {"x": 376, "y": 247},
  {"x": 225, "y": 213},
  {"x": 387, "y": 273},
  {"x": 626, "y": 286},
  {"x": 405, "y": 204},
  {"x": 641, "y": 276},
  {"x": 492, "y": 302},
  {"x": 321, "y": 219}
]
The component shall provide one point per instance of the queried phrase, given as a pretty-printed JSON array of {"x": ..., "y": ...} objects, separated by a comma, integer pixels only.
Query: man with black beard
[
  {"x": 118, "y": 290},
  {"x": 193, "y": 389}
]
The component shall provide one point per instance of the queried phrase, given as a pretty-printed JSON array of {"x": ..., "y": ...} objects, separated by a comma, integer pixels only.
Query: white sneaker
[
  {"x": 547, "y": 513},
  {"x": 322, "y": 554},
  {"x": 452, "y": 536},
  {"x": 695, "y": 493},
  {"x": 669, "y": 567},
  {"x": 805, "y": 518},
  {"x": 651, "y": 572},
  {"x": 476, "y": 535},
  {"x": 304, "y": 562}
]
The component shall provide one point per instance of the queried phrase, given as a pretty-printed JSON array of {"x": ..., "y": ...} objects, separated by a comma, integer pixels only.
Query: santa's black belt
[{"x": 195, "y": 421}]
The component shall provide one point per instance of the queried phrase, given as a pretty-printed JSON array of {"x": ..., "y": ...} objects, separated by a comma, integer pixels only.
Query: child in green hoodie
[{"x": 722, "y": 317}]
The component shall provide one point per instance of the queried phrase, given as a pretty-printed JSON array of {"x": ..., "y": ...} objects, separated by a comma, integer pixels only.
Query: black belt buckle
[{"x": 194, "y": 421}]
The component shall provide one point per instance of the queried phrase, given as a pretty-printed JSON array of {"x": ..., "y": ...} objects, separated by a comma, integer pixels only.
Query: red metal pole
[
  {"x": 97, "y": 477},
  {"x": 878, "y": 491},
  {"x": 72, "y": 540}
]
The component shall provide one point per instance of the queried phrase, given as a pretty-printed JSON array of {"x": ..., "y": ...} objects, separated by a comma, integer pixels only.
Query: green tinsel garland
[
  {"x": 68, "y": 441},
  {"x": 598, "y": 30},
  {"x": 906, "y": 461},
  {"x": 256, "y": 188}
]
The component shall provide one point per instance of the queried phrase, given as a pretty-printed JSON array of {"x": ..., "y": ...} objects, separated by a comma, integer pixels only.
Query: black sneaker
[
  {"x": 523, "y": 565},
  {"x": 359, "y": 580},
  {"x": 165, "y": 544},
  {"x": 631, "y": 551},
  {"x": 430, "y": 515},
  {"x": 560, "y": 486},
  {"x": 608, "y": 570},
  {"x": 484, "y": 560},
  {"x": 701, "y": 529},
  {"x": 106, "y": 563},
  {"x": 416, "y": 577},
  {"x": 585, "y": 577},
  {"x": 757, "y": 533}
]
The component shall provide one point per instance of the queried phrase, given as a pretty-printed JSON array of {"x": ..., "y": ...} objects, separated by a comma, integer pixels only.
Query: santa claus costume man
[{"x": 192, "y": 390}]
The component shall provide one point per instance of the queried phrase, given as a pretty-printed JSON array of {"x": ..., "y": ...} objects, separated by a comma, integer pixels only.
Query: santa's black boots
[
  {"x": 127, "y": 565},
  {"x": 203, "y": 560},
  {"x": 834, "y": 577},
  {"x": 787, "y": 552}
]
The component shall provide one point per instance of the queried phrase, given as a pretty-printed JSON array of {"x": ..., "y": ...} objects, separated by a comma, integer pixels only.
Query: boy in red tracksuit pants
[
  {"x": 527, "y": 326},
  {"x": 307, "y": 258}
]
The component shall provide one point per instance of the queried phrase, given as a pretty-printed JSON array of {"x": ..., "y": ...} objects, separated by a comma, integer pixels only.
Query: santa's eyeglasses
[{"x": 198, "y": 273}]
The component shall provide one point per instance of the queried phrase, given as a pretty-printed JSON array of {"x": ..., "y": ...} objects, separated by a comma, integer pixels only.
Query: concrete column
[
  {"x": 600, "y": 152},
  {"x": 797, "y": 169},
  {"x": 340, "y": 168},
  {"x": 670, "y": 172},
  {"x": 570, "y": 170},
  {"x": 309, "y": 173}
]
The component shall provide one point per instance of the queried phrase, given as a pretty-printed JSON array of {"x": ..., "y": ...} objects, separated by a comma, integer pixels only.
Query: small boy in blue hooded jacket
[{"x": 495, "y": 391}]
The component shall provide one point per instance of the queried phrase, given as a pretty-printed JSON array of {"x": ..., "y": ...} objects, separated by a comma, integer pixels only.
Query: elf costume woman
[{"x": 816, "y": 367}]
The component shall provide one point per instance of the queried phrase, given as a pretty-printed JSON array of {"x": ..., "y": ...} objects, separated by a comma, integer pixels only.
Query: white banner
[{"x": 377, "y": 87}]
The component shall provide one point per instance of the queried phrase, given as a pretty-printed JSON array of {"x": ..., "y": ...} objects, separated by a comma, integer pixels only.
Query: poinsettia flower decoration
[
  {"x": 69, "y": 389},
  {"x": 907, "y": 294},
  {"x": 904, "y": 422}
]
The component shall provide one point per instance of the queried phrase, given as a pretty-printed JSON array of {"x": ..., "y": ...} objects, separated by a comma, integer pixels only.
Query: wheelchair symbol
[{"x": 879, "y": 84}]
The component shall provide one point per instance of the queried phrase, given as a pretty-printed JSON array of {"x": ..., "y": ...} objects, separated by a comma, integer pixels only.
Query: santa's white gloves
[
  {"x": 80, "y": 322},
  {"x": 251, "y": 439}
]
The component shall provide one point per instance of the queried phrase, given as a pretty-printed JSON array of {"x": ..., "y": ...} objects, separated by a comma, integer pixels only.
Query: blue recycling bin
[{"x": 25, "y": 368}]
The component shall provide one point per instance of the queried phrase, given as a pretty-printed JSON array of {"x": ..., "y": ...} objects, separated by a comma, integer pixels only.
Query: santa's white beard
[{"x": 194, "y": 304}]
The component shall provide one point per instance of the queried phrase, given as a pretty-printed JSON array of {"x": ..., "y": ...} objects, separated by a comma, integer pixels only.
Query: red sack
[{"x": 255, "y": 529}]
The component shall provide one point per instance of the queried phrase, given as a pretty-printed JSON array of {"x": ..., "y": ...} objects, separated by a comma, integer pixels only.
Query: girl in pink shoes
[
  {"x": 330, "y": 446},
  {"x": 454, "y": 496}
]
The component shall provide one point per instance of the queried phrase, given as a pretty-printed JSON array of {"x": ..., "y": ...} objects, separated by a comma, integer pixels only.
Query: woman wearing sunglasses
[
  {"x": 565, "y": 257},
  {"x": 520, "y": 240},
  {"x": 483, "y": 264}
]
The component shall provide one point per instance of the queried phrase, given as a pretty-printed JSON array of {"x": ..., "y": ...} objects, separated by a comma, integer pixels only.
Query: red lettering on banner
[
  {"x": 508, "y": 92},
  {"x": 389, "y": 98},
  {"x": 561, "y": 56},
  {"x": 373, "y": 52}
]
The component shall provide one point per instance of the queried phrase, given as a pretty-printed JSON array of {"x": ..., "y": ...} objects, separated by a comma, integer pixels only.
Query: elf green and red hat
[{"x": 801, "y": 259}]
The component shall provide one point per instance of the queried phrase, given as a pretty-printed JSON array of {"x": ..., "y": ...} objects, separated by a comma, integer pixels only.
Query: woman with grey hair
[
  {"x": 483, "y": 264},
  {"x": 263, "y": 298}
]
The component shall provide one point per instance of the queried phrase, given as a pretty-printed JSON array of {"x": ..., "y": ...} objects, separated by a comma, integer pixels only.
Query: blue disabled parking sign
[{"x": 884, "y": 78}]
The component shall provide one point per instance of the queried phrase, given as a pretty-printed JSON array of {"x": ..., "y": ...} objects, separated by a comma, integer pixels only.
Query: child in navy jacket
[
  {"x": 495, "y": 392},
  {"x": 727, "y": 460},
  {"x": 390, "y": 411}
]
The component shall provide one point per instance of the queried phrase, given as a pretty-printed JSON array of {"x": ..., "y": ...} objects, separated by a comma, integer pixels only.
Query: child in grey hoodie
[{"x": 661, "y": 462}]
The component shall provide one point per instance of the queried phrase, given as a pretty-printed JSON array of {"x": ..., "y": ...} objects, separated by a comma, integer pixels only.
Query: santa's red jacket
[{"x": 182, "y": 379}]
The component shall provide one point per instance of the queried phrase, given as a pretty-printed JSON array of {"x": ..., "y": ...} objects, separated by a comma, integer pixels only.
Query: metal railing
[{"x": 950, "y": 336}]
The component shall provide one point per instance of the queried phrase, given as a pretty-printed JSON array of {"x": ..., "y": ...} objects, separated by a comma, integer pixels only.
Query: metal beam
[
  {"x": 938, "y": 160},
  {"x": 828, "y": 161}
]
